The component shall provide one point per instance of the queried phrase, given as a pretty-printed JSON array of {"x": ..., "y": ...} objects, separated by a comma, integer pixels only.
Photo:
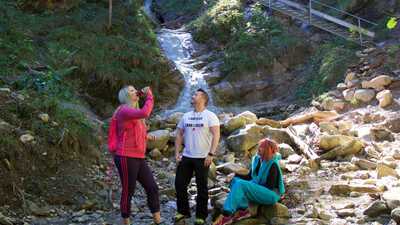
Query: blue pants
[{"x": 245, "y": 191}]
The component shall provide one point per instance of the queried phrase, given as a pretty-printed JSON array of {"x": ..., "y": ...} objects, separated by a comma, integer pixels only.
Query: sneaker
[
  {"x": 178, "y": 217},
  {"x": 199, "y": 221},
  {"x": 223, "y": 220},
  {"x": 241, "y": 214}
]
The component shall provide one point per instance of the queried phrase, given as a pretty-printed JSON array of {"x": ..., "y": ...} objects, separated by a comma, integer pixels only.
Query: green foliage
[
  {"x": 248, "y": 45},
  {"x": 181, "y": 7},
  {"x": 326, "y": 68},
  {"x": 220, "y": 22}
]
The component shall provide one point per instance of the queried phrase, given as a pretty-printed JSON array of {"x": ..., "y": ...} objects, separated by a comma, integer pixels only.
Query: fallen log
[{"x": 313, "y": 158}]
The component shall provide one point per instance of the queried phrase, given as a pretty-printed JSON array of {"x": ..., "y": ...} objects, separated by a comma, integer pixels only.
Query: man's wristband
[{"x": 211, "y": 154}]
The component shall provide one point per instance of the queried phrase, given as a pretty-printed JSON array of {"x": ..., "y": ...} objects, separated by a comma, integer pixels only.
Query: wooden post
[{"x": 110, "y": 3}]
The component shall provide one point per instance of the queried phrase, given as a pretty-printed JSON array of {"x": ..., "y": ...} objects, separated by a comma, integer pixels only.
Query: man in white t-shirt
[{"x": 199, "y": 131}]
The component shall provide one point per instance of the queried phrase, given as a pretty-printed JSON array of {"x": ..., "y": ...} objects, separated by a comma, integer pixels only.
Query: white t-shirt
[{"x": 197, "y": 136}]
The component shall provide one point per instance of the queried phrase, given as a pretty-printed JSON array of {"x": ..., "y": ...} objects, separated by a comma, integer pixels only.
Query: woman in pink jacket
[{"x": 127, "y": 142}]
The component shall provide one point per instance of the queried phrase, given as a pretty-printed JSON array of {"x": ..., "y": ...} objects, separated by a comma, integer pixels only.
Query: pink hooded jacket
[{"x": 127, "y": 134}]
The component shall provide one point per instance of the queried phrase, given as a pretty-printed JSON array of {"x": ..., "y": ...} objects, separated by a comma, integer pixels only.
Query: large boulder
[
  {"x": 376, "y": 208},
  {"x": 162, "y": 138},
  {"x": 364, "y": 95},
  {"x": 352, "y": 147},
  {"x": 174, "y": 118},
  {"x": 348, "y": 94},
  {"x": 246, "y": 138},
  {"x": 383, "y": 170},
  {"x": 240, "y": 121},
  {"x": 385, "y": 98},
  {"x": 232, "y": 167},
  {"x": 285, "y": 150},
  {"x": 280, "y": 135},
  {"x": 328, "y": 142},
  {"x": 378, "y": 83}
]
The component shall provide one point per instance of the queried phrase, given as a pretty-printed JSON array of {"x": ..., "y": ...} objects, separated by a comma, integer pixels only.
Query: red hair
[{"x": 267, "y": 148}]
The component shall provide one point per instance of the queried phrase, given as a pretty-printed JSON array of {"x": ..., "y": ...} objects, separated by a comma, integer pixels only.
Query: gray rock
[
  {"x": 285, "y": 150},
  {"x": 392, "y": 198},
  {"x": 5, "y": 220},
  {"x": 162, "y": 138},
  {"x": 396, "y": 215},
  {"x": 381, "y": 134},
  {"x": 245, "y": 138},
  {"x": 376, "y": 208}
]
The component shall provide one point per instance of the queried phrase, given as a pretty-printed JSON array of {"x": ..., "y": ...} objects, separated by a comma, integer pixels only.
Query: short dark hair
[{"x": 205, "y": 94}]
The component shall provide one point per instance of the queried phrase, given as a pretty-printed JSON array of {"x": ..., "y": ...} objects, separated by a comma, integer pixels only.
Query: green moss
[{"x": 326, "y": 68}]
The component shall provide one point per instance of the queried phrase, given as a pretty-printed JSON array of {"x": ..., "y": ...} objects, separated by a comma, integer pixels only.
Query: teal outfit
[{"x": 245, "y": 191}]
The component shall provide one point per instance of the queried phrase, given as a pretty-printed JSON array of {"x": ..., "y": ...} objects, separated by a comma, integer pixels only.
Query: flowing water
[{"x": 178, "y": 47}]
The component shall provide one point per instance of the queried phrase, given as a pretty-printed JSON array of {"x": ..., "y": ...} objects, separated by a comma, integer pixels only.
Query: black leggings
[
  {"x": 184, "y": 174},
  {"x": 130, "y": 170}
]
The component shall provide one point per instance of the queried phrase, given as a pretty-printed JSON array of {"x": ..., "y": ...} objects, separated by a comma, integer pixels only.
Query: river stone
[
  {"x": 294, "y": 158},
  {"x": 231, "y": 167},
  {"x": 235, "y": 123},
  {"x": 285, "y": 150},
  {"x": 364, "y": 95},
  {"x": 393, "y": 124},
  {"x": 277, "y": 210},
  {"x": 385, "y": 98},
  {"x": 246, "y": 138},
  {"x": 156, "y": 154},
  {"x": 376, "y": 208},
  {"x": 383, "y": 170},
  {"x": 392, "y": 197},
  {"x": 333, "y": 104},
  {"x": 380, "y": 134},
  {"x": 364, "y": 163},
  {"x": 348, "y": 94},
  {"x": 345, "y": 189},
  {"x": 279, "y": 135},
  {"x": 345, "y": 212},
  {"x": 396, "y": 215},
  {"x": 329, "y": 128},
  {"x": 350, "y": 148},
  {"x": 174, "y": 118},
  {"x": 378, "y": 83},
  {"x": 250, "y": 117},
  {"x": 162, "y": 138},
  {"x": 328, "y": 142}
]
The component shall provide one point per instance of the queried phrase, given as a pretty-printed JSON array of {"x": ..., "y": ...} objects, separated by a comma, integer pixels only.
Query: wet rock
[
  {"x": 396, "y": 215},
  {"x": 156, "y": 154},
  {"x": 249, "y": 116},
  {"x": 364, "y": 95},
  {"x": 383, "y": 170},
  {"x": 235, "y": 123},
  {"x": 5, "y": 90},
  {"x": 381, "y": 134},
  {"x": 378, "y": 83},
  {"x": 38, "y": 211},
  {"x": 340, "y": 189},
  {"x": 26, "y": 138},
  {"x": 285, "y": 150},
  {"x": 329, "y": 128},
  {"x": 392, "y": 198},
  {"x": 245, "y": 138},
  {"x": 328, "y": 142},
  {"x": 162, "y": 138},
  {"x": 376, "y": 208},
  {"x": 350, "y": 148},
  {"x": 385, "y": 98}
]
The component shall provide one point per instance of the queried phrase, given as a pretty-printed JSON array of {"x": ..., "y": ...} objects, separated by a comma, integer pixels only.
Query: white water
[{"x": 177, "y": 46}]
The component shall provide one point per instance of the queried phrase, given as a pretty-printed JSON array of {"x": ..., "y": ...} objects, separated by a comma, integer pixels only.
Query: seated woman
[{"x": 263, "y": 185}]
